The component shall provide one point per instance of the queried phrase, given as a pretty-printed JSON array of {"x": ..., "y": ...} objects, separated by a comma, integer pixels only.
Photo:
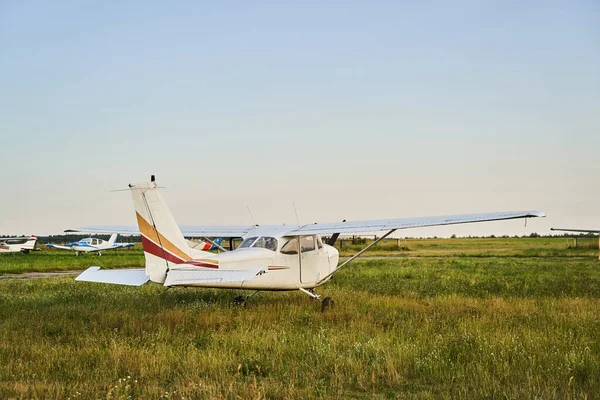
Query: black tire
[
  {"x": 327, "y": 303},
  {"x": 239, "y": 301}
]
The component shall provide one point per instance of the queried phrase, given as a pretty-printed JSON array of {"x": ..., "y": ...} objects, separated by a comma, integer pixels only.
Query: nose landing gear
[{"x": 327, "y": 303}]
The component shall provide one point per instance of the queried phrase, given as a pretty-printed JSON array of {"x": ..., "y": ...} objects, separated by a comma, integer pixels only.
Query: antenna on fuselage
[
  {"x": 251, "y": 217},
  {"x": 296, "y": 211}
]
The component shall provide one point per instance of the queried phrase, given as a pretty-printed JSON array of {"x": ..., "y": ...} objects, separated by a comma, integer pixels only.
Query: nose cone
[{"x": 334, "y": 256}]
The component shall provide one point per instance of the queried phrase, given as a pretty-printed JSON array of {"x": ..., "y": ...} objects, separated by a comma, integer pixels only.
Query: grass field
[
  {"x": 445, "y": 326},
  {"x": 481, "y": 247},
  {"x": 59, "y": 260}
]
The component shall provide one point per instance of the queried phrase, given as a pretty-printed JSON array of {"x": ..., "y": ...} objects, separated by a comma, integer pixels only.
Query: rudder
[{"x": 163, "y": 242}]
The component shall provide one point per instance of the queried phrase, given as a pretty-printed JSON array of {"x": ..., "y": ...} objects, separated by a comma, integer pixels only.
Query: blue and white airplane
[{"x": 90, "y": 245}]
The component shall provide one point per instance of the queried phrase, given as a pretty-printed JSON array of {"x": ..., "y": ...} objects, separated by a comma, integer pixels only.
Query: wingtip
[{"x": 538, "y": 214}]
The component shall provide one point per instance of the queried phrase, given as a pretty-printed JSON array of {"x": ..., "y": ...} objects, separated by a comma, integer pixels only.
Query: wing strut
[{"x": 358, "y": 254}]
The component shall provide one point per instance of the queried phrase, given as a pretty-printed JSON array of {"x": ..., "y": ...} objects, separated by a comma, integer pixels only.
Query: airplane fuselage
[
  {"x": 91, "y": 245},
  {"x": 289, "y": 263},
  {"x": 16, "y": 245},
  {"x": 282, "y": 272}
]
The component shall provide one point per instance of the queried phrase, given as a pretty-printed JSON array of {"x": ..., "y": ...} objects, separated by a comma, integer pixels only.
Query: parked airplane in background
[
  {"x": 579, "y": 231},
  {"x": 90, "y": 245},
  {"x": 23, "y": 244},
  {"x": 576, "y": 230},
  {"x": 205, "y": 246},
  {"x": 269, "y": 258}
]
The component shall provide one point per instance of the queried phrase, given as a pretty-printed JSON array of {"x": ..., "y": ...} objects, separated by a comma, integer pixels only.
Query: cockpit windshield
[
  {"x": 263, "y": 242},
  {"x": 247, "y": 242}
]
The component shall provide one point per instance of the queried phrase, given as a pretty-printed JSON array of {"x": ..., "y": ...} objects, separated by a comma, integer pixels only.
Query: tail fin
[
  {"x": 30, "y": 243},
  {"x": 113, "y": 238},
  {"x": 163, "y": 242}
]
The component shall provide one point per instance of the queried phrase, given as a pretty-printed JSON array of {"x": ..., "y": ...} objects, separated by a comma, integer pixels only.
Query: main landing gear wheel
[
  {"x": 327, "y": 303},
  {"x": 239, "y": 301}
]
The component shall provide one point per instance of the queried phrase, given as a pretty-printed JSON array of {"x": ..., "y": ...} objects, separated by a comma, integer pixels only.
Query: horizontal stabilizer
[
  {"x": 186, "y": 276},
  {"x": 130, "y": 277}
]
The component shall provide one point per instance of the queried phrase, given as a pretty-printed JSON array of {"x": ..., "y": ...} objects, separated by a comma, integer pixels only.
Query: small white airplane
[
  {"x": 576, "y": 230},
  {"x": 91, "y": 245},
  {"x": 579, "y": 231},
  {"x": 269, "y": 258},
  {"x": 23, "y": 244}
]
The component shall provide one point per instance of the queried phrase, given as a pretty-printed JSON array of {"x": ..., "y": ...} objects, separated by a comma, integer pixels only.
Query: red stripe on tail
[{"x": 155, "y": 250}]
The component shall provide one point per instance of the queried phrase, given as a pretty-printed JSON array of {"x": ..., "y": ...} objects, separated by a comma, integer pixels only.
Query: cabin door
[{"x": 309, "y": 259}]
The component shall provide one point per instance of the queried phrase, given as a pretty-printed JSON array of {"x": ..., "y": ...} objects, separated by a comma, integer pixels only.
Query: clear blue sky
[{"x": 353, "y": 110}]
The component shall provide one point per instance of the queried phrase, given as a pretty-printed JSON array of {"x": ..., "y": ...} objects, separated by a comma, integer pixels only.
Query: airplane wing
[
  {"x": 188, "y": 231},
  {"x": 107, "y": 229},
  {"x": 129, "y": 277},
  {"x": 183, "y": 276},
  {"x": 405, "y": 223},
  {"x": 576, "y": 230},
  {"x": 54, "y": 246}
]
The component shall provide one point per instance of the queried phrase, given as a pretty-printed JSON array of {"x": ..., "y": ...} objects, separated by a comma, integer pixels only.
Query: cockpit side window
[
  {"x": 291, "y": 247},
  {"x": 265, "y": 242},
  {"x": 307, "y": 243},
  {"x": 247, "y": 242}
]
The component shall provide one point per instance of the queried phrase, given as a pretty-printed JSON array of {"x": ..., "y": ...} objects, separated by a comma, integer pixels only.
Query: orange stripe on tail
[{"x": 150, "y": 233}]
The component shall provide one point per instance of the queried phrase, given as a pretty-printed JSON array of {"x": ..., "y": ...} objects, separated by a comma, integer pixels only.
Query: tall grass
[
  {"x": 478, "y": 247},
  {"x": 401, "y": 328}
]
